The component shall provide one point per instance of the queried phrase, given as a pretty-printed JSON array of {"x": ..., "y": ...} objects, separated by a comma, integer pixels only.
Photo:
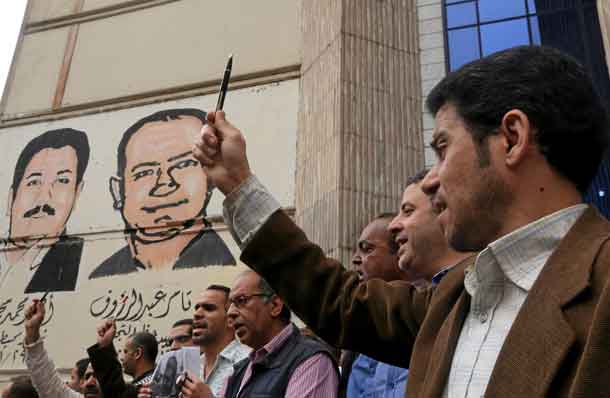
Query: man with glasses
[
  {"x": 181, "y": 334},
  {"x": 283, "y": 362},
  {"x": 214, "y": 334}
]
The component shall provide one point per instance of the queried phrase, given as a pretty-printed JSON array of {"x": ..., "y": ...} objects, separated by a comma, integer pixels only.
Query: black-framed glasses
[
  {"x": 242, "y": 299},
  {"x": 181, "y": 338}
]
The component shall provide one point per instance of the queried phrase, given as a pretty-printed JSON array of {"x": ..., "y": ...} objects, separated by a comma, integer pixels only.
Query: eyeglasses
[
  {"x": 243, "y": 299},
  {"x": 181, "y": 338}
]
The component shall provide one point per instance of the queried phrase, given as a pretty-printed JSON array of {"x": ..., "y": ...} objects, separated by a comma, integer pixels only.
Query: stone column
[
  {"x": 360, "y": 126},
  {"x": 603, "y": 9}
]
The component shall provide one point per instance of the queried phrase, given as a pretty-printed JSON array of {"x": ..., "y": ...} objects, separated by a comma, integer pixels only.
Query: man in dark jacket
[
  {"x": 137, "y": 359},
  {"x": 529, "y": 317}
]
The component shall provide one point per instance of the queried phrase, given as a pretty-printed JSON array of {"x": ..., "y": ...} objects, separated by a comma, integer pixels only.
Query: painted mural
[
  {"x": 162, "y": 193},
  {"x": 109, "y": 216}
]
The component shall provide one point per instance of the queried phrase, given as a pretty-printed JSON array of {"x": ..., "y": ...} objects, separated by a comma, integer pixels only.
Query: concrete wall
[
  {"x": 99, "y": 66},
  {"x": 432, "y": 60}
]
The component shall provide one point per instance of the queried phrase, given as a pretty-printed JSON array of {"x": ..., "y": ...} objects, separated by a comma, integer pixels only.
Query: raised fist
[
  {"x": 106, "y": 332},
  {"x": 34, "y": 315}
]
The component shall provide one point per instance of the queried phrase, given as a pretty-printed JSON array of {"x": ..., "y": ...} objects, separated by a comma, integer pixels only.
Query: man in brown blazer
[{"x": 530, "y": 316}]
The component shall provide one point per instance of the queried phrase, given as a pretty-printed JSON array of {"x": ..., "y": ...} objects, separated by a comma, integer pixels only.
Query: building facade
[{"x": 104, "y": 206}]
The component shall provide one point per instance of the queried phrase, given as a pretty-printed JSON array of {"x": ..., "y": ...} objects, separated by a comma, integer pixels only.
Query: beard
[{"x": 480, "y": 220}]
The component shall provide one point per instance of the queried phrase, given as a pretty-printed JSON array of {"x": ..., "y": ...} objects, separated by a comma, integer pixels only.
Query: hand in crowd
[
  {"x": 34, "y": 315},
  {"x": 195, "y": 388},
  {"x": 221, "y": 150},
  {"x": 106, "y": 333},
  {"x": 144, "y": 391}
]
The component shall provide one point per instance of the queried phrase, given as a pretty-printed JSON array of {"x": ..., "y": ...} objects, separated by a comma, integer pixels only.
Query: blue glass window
[
  {"x": 493, "y": 10},
  {"x": 502, "y": 35},
  {"x": 466, "y": 45},
  {"x": 461, "y": 14},
  {"x": 535, "y": 31}
]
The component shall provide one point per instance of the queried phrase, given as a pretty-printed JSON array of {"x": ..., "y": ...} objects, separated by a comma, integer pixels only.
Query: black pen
[
  {"x": 225, "y": 84},
  {"x": 44, "y": 296}
]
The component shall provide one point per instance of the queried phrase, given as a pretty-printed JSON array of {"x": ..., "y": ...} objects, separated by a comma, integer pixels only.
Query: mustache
[
  {"x": 45, "y": 209},
  {"x": 153, "y": 209}
]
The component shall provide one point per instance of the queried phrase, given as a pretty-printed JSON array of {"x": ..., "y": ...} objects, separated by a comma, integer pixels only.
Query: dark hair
[
  {"x": 22, "y": 388},
  {"x": 417, "y": 177},
  {"x": 162, "y": 116},
  {"x": 81, "y": 367},
  {"x": 393, "y": 246},
  {"x": 285, "y": 314},
  {"x": 148, "y": 343},
  {"x": 223, "y": 289},
  {"x": 183, "y": 322},
  {"x": 54, "y": 139},
  {"x": 551, "y": 88}
]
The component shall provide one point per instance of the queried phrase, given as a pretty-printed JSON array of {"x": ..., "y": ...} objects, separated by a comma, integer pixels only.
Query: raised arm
[
  {"x": 44, "y": 375},
  {"x": 375, "y": 318}
]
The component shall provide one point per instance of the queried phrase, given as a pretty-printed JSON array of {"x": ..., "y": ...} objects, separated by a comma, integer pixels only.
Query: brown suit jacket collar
[{"x": 540, "y": 337}]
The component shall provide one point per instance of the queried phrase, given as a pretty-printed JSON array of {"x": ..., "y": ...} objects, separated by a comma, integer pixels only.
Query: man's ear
[
  {"x": 276, "y": 305},
  {"x": 517, "y": 136},
  {"x": 9, "y": 202},
  {"x": 139, "y": 352},
  {"x": 115, "y": 190},
  {"x": 79, "y": 189}
]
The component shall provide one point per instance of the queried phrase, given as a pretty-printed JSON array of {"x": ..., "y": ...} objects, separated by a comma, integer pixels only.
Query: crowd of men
[{"x": 490, "y": 280}]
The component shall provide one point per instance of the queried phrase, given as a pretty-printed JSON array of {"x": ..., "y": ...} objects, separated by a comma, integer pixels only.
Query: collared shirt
[
  {"x": 498, "y": 283},
  {"x": 223, "y": 368},
  {"x": 370, "y": 378},
  {"x": 314, "y": 378},
  {"x": 373, "y": 379},
  {"x": 21, "y": 272}
]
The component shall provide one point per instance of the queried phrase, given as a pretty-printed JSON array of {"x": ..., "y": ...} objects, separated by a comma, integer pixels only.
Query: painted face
[
  {"x": 163, "y": 182},
  {"x": 89, "y": 384},
  {"x": 373, "y": 257},
  {"x": 128, "y": 357},
  {"x": 466, "y": 189},
  {"x": 250, "y": 312},
  {"x": 210, "y": 317},
  {"x": 46, "y": 194},
  {"x": 181, "y": 336},
  {"x": 418, "y": 232}
]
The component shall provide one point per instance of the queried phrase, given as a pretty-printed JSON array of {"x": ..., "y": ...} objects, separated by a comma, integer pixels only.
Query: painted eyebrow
[
  {"x": 143, "y": 164},
  {"x": 179, "y": 156},
  {"x": 66, "y": 171},
  {"x": 35, "y": 174}
]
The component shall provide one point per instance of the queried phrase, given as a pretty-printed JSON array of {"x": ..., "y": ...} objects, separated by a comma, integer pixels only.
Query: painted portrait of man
[
  {"x": 162, "y": 193},
  {"x": 47, "y": 181}
]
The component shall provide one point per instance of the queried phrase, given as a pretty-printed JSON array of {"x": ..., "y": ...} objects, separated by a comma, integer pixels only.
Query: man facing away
[{"x": 530, "y": 316}]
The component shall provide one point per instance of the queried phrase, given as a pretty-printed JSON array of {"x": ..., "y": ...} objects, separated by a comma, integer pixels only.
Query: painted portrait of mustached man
[
  {"x": 162, "y": 193},
  {"x": 47, "y": 182}
]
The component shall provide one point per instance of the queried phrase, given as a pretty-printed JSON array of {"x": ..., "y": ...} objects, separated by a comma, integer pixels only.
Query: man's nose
[
  {"x": 395, "y": 227},
  {"x": 164, "y": 185},
  {"x": 431, "y": 182},
  {"x": 232, "y": 312},
  {"x": 356, "y": 260}
]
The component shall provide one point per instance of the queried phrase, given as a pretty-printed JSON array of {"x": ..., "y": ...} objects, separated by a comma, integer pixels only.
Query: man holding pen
[{"x": 530, "y": 317}]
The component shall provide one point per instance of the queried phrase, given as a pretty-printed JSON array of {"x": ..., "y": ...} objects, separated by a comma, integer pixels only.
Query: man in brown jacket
[{"x": 530, "y": 316}]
